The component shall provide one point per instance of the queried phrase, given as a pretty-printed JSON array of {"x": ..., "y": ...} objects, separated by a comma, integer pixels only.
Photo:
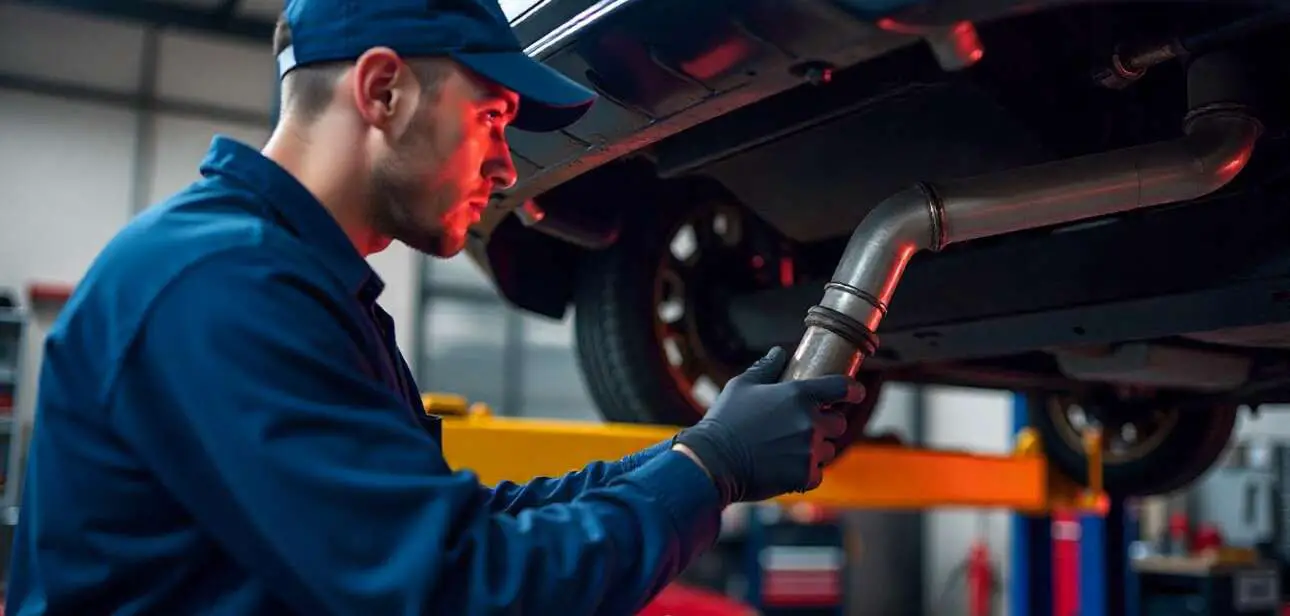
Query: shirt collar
[{"x": 295, "y": 206}]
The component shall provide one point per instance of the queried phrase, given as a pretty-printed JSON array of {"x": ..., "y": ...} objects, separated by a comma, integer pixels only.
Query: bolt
[{"x": 814, "y": 72}]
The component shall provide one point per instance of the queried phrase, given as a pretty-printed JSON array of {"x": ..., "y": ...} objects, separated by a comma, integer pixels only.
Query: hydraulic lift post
[
  {"x": 1030, "y": 571},
  {"x": 1105, "y": 582}
]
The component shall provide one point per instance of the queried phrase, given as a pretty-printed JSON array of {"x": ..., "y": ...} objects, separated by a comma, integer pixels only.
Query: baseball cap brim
[{"x": 549, "y": 101}]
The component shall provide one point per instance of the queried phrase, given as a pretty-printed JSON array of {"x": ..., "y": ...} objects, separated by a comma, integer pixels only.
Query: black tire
[
  {"x": 1178, "y": 457},
  {"x": 622, "y": 363},
  {"x": 618, "y": 346}
]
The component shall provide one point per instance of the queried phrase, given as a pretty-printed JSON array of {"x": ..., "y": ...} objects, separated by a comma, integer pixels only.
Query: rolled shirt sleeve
[{"x": 247, "y": 395}]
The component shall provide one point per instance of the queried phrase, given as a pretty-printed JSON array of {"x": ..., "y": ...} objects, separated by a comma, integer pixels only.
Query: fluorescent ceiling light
[
  {"x": 519, "y": 10},
  {"x": 588, "y": 16}
]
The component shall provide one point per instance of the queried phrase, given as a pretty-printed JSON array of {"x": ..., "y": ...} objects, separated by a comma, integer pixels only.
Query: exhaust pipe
[{"x": 1219, "y": 136}]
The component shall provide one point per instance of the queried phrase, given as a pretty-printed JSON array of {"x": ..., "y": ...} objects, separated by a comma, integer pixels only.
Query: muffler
[{"x": 1219, "y": 135}]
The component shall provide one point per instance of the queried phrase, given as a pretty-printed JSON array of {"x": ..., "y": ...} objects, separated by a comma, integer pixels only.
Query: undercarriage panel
[{"x": 1175, "y": 271}]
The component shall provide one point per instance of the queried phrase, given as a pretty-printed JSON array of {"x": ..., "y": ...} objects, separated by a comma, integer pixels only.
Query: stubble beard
[{"x": 403, "y": 206}]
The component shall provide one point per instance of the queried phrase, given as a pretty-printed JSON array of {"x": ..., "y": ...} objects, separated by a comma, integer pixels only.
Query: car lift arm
[{"x": 863, "y": 477}]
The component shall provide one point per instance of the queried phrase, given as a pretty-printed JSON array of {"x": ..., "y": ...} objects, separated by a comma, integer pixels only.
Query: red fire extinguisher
[{"x": 980, "y": 580}]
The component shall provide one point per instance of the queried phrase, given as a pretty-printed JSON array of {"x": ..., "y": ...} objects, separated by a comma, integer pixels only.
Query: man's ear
[{"x": 384, "y": 90}]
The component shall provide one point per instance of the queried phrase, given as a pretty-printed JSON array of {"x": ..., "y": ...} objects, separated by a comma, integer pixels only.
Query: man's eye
[{"x": 494, "y": 115}]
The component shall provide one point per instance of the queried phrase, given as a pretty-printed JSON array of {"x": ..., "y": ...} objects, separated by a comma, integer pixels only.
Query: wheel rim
[
  {"x": 1131, "y": 431},
  {"x": 707, "y": 256}
]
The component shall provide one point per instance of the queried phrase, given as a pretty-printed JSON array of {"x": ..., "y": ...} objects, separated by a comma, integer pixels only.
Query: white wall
[
  {"x": 1272, "y": 423},
  {"x": 980, "y": 421},
  {"x": 79, "y": 155}
]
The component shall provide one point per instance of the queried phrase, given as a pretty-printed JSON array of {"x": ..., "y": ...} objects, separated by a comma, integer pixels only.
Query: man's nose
[{"x": 500, "y": 168}]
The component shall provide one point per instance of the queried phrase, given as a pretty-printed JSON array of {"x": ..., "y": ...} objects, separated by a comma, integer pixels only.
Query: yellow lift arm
[{"x": 863, "y": 477}]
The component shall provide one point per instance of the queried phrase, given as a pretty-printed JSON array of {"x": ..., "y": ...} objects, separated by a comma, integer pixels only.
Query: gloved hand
[{"x": 762, "y": 438}]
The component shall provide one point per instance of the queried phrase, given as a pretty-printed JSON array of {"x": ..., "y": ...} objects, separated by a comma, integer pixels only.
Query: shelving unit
[
  {"x": 13, "y": 326},
  {"x": 13, "y": 323}
]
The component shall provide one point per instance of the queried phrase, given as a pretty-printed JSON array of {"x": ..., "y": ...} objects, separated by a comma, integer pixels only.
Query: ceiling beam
[
  {"x": 223, "y": 21},
  {"x": 227, "y": 9},
  {"x": 130, "y": 100}
]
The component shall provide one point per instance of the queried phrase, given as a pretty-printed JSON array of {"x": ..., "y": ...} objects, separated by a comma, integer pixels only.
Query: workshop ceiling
[{"x": 252, "y": 19}]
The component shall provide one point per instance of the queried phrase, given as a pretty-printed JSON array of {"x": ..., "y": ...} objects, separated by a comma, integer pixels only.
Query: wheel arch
[
  {"x": 531, "y": 271},
  {"x": 534, "y": 269}
]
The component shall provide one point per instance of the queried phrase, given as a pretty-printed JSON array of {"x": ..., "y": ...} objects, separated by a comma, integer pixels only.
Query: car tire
[
  {"x": 1192, "y": 444},
  {"x": 619, "y": 345}
]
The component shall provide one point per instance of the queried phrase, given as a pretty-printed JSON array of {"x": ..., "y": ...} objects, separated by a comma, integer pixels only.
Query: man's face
[{"x": 431, "y": 181}]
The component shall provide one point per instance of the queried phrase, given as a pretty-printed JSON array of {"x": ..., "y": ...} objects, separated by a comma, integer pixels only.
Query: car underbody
[{"x": 766, "y": 132}]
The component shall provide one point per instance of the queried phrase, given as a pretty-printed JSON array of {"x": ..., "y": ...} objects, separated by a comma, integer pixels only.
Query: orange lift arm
[{"x": 863, "y": 477}]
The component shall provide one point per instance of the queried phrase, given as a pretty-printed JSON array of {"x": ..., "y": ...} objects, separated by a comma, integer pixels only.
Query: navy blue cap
[{"x": 472, "y": 32}]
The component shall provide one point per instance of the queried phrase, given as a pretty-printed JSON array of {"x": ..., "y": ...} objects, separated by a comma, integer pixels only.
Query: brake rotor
[{"x": 1131, "y": 429}]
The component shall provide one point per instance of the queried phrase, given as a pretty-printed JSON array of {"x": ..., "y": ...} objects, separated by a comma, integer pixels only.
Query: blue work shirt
[{"x": 225, "y": 426}]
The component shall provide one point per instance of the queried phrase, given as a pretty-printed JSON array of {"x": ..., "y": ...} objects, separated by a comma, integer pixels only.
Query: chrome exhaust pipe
[{"x": 1219, "y": 136}]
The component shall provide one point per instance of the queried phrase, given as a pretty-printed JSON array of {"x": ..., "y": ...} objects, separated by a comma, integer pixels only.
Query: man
[{"x": 225, "y": 426}]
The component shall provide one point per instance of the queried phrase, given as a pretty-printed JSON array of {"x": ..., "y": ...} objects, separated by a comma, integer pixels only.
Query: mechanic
[{"x": 226, "y": 426}]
